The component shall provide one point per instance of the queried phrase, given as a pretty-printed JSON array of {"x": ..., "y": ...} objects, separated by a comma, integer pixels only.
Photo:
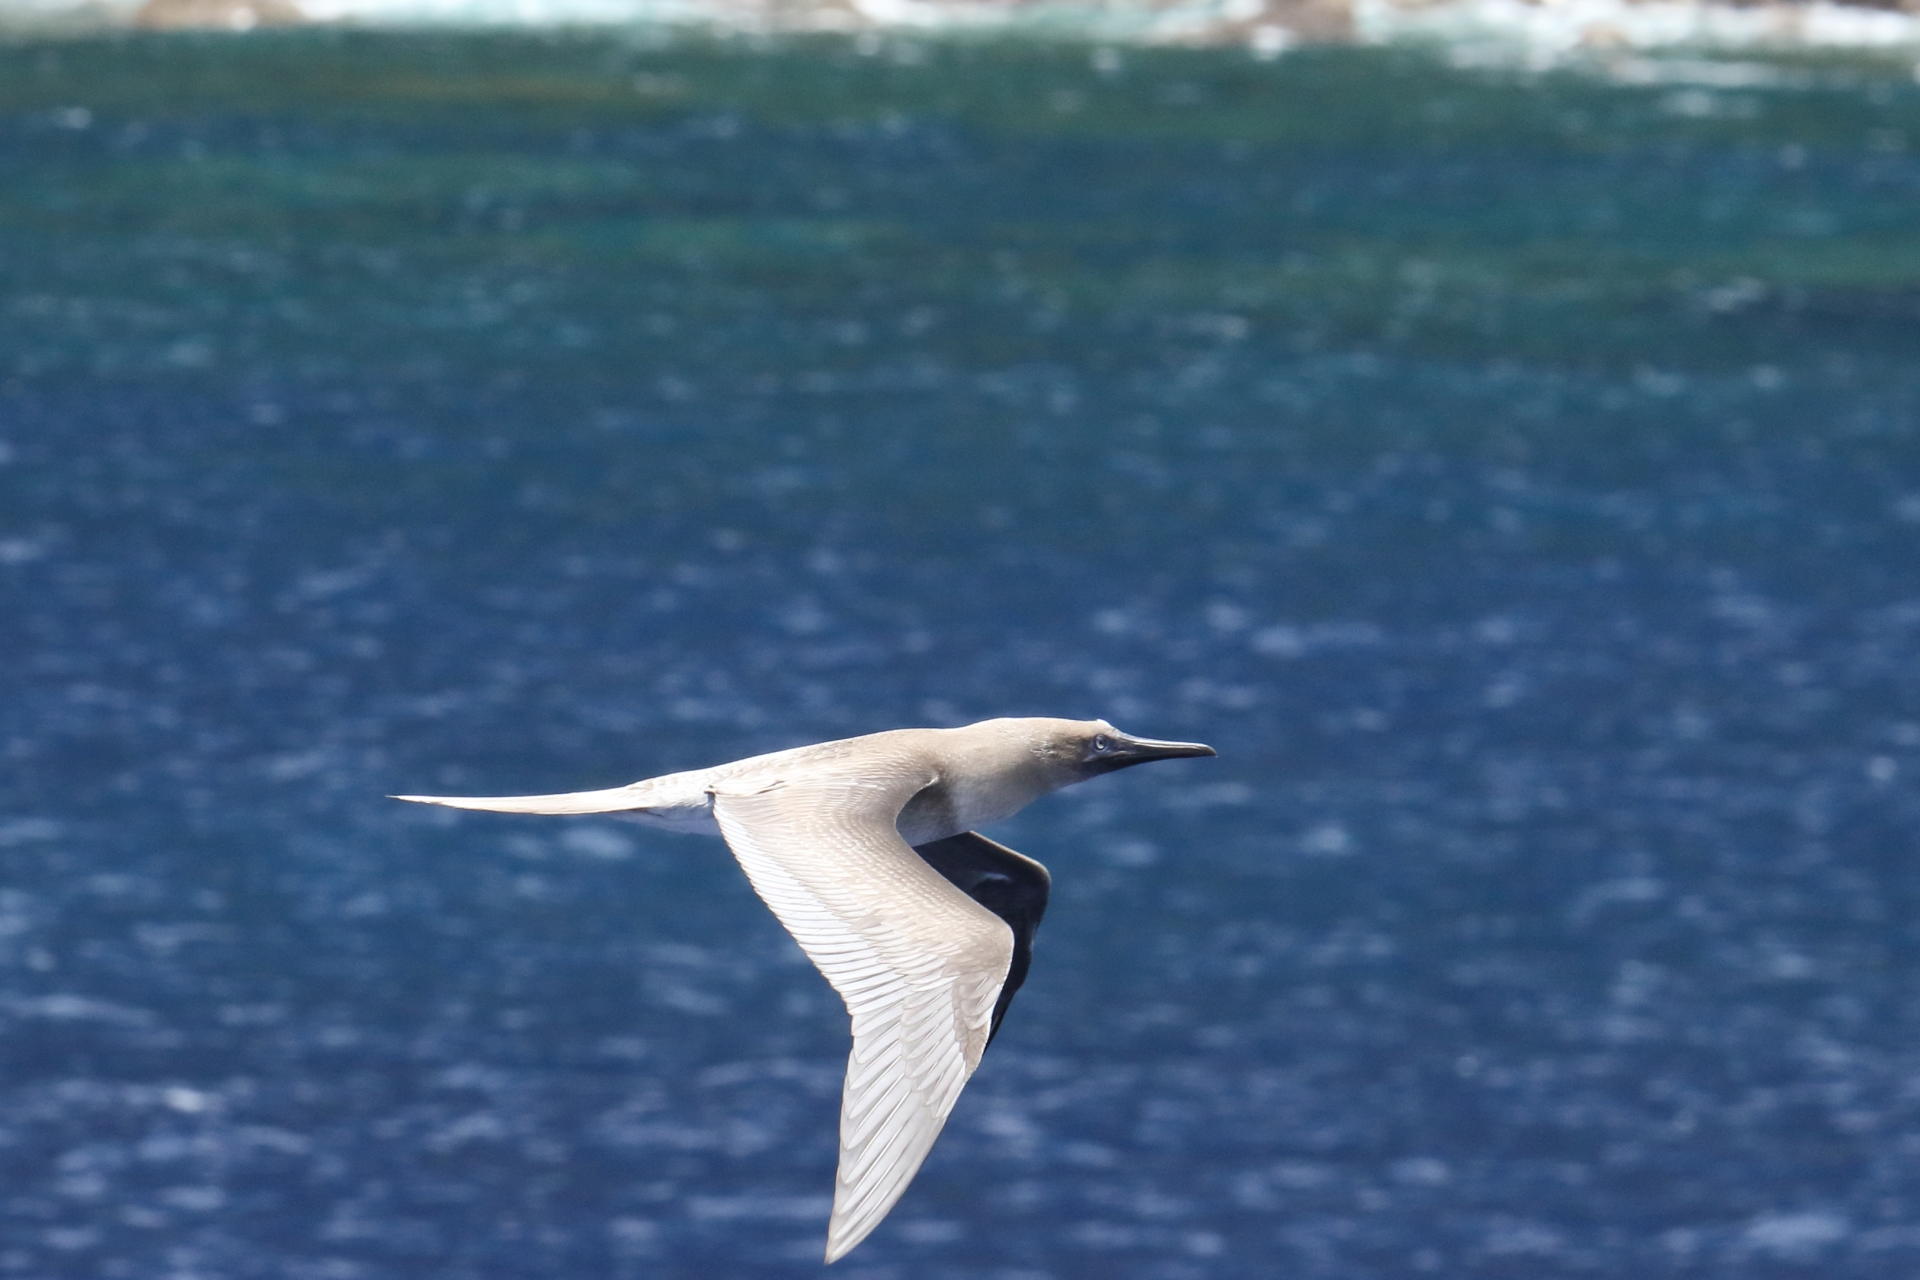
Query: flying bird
[{"x": 865, "y": 849}]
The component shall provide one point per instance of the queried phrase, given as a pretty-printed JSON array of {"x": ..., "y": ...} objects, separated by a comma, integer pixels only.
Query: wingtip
[
  {"x": 844, "y": 1233},
  {"x": 849, "y": 1226}
]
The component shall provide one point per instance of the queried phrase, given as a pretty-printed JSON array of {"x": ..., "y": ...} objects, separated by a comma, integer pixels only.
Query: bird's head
[{"x": 1075, "y": 750}]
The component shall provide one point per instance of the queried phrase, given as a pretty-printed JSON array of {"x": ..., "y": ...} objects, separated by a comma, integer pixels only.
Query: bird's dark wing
[{"x": 1011, "y": 885}]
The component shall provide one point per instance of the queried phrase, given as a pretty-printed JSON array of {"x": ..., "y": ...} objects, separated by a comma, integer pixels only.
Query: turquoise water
[{"x": 1516, "y": 477}]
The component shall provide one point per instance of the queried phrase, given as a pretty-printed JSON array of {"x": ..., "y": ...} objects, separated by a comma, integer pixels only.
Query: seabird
[{"x": 866, "y": 851}]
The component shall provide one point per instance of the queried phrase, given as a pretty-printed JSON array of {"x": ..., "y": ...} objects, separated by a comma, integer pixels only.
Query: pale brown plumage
[{"x": 864, "y": 849}]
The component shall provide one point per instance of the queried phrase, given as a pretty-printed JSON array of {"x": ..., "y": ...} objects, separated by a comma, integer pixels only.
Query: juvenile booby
[{"x": 866, "y": 851}]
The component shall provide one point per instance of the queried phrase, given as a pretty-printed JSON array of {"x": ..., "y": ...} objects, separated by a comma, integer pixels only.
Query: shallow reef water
[{"x": 1516, "y": 477}]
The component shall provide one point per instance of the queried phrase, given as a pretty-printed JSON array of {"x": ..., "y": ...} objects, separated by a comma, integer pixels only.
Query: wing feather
[{"x": 917, "y": 961}]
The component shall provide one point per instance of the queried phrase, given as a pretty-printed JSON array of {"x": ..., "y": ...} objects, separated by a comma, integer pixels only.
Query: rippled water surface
[{"x": 1518, "y": 480}]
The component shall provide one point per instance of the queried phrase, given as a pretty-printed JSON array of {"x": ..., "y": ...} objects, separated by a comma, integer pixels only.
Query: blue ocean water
[{"x": 1517, "y": 478}]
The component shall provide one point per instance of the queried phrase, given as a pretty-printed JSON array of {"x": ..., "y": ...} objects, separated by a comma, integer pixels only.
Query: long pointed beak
[{"x": 1141, "y": 750}]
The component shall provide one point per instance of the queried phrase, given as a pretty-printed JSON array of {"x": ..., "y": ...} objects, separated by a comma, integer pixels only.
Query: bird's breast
[
  {"x": 930, "y": 815},
  {"x": 950, "y": 806}
]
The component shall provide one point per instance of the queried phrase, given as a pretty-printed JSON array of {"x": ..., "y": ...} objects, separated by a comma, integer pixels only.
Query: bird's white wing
[{"x": 917, "y": 961}]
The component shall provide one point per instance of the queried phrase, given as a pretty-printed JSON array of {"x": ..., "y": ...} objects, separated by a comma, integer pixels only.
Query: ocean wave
[
  {"x": 1566, "y": 27},
  {"x": 1537, "y": 32},
  {"x": 1265, "y": 25}
]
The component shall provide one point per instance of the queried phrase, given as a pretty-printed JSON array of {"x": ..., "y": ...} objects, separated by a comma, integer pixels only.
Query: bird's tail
[{"x": 612, "y": 800}]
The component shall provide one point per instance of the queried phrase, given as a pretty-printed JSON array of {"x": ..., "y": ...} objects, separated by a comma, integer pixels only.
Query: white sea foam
[
  {"x": 1539, "y": 32},
  {"x": 1155, "y": 22},
  {"x": 1560, "y": 28},
  {"x": 1110, "y": 21}
]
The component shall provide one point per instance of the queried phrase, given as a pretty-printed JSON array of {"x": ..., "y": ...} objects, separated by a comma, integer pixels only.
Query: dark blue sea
[{"x": 1515, "y": 475}]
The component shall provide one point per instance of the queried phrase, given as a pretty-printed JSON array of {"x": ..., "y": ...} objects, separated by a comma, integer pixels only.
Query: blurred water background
[{"x": 1516, "y": 476}]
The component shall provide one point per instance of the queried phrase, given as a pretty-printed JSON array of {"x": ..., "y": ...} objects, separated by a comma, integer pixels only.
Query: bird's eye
[{"x": 1102, "y": 744}]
